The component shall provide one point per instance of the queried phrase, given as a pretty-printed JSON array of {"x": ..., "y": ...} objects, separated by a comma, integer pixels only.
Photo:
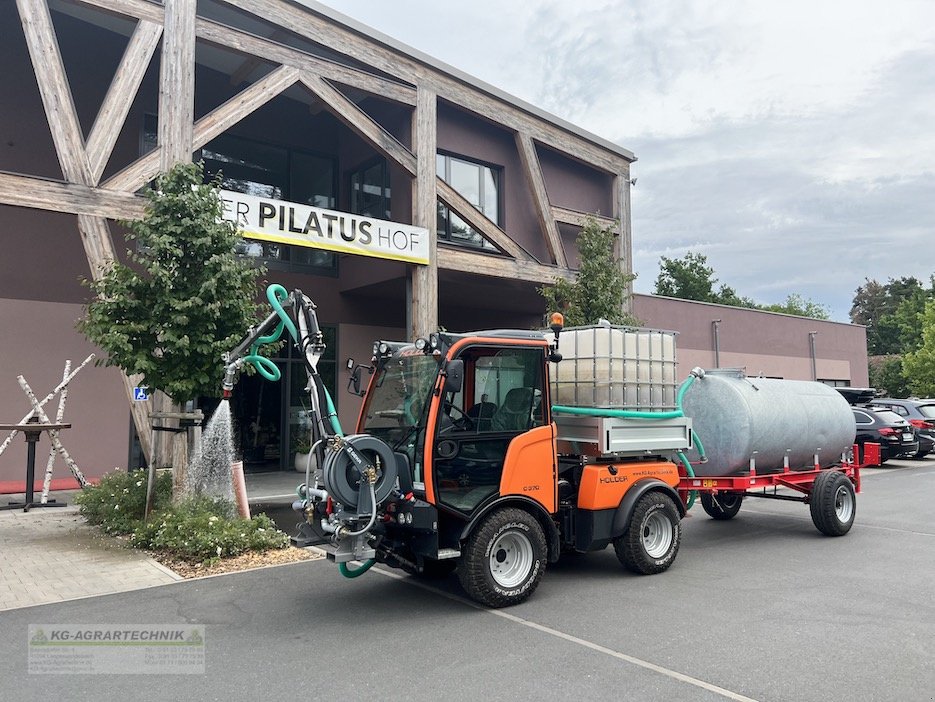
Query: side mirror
[
  {"x": 353, "y": 382},
  {"x": 454, "y": 375}
]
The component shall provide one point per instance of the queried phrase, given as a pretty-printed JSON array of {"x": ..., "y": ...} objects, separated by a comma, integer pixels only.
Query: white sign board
[{"x": 303, "y": 225}]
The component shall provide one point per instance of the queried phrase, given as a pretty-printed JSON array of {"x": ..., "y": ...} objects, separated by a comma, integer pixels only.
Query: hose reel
[{"x": 352, "y": 464}]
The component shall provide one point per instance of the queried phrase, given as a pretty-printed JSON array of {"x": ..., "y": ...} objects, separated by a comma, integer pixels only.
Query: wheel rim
[
  {"x": 843, "y": 504},
  {"x": 656, "y": 534},
  {"x": 510, "y": 559}
]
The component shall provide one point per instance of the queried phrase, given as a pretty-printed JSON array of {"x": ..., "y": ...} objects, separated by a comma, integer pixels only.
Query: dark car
[
  {"x": 880, "y": 426},
  {"x": 919, "y": 413}
]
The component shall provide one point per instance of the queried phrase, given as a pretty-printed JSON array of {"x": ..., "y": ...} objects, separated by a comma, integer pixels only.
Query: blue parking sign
[{"x": 140, "y": 394}]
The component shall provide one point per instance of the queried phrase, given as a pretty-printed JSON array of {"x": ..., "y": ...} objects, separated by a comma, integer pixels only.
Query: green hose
[
  {"x": 348, "y": 573},
  {"x": 691, "y": 474},
  {"x": 333, "y": 413}
]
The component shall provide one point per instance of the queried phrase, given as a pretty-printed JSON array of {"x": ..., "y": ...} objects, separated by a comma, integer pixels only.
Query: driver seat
[{"x": 515, "y": 414}]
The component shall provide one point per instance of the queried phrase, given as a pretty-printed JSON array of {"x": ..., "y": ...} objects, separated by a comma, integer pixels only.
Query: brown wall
[
  {"x": 767, "y": 343},
  {"x": 37, "y": 338}
]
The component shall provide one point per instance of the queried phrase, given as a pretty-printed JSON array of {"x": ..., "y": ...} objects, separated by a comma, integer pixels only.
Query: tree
[
  {"x": 186, "y": 297},
  {"x": 691, "y": 278},
  {"x": 799, "y": 306},
  {"x": 919, "y": 365},
  {"x": 890, "y": 313},
  {"x": 886, "y": 375},
  {"x": 599, "y": 286}
]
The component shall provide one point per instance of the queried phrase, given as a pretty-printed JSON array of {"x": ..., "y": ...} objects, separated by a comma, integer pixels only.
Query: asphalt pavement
[{"x": 761, "y": 607}]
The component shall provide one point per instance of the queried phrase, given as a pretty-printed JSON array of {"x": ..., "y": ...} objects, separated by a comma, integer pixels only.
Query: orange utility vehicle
[{"x": 458, "y": 465}]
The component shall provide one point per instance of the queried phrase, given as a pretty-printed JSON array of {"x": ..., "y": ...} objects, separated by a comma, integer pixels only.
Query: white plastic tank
[
  {"x": 615, "y": 367},
  {"x": 738, "y": 418}
]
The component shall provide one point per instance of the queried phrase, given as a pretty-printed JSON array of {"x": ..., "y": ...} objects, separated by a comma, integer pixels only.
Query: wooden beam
[
  {"x": 216, "y": 122},
  {"x": 540, "y": 197},
  {"x": 73, "y": 198},
  {"x": 479, "y": 221},
  {"x": 423, "y": 280},
  {"x": 268, "y": 49},
  {"x": 458, "y": 259},
  {"x": 360, "y": 122},
  {"x": 579, "y": 218},
  {"x": 177, "y": 84},
  {"x": 119, "y": 98},
  {"x": 54, "y": 90},
  {"x": 252, "y": 62},
  {"x": 140, "y": 9}
]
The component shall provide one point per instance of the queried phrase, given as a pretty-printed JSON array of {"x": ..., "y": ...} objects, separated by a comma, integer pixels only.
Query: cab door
[{"x": 502, "y": 399}]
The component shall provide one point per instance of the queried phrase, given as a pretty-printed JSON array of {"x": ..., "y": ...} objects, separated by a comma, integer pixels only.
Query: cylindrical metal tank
[{"x": 735, "y": 416}]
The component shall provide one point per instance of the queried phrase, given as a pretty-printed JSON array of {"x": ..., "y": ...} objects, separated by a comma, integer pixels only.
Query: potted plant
[{"x": 302, "y": 448}]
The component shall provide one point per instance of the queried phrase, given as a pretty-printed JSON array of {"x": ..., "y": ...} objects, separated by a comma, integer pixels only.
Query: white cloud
[{"x": 790, "y": 142}]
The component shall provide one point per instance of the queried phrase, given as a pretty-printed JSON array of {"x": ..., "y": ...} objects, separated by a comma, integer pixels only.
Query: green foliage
[
  {"x": 691, "y": 278},
  {"x": 799, "y": 306},
  {"x": 196, "y": 529},
  {"x": 891, "y": 312},
  {"x": 186, "y": 297},
  {"x": 599, "y": 286},
  {"x": 118, "y": 501},
  {"x": 203, "y": 529},
  {"x": 919, "y": 365},
  {"x": 887, "y": 376}
]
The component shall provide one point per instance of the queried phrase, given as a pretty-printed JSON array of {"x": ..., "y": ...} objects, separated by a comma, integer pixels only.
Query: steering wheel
[{"x": 462, "y": 422}]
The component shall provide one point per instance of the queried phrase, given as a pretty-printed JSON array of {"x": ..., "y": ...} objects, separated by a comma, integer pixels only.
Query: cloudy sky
[{"x": 792, "y": 143}]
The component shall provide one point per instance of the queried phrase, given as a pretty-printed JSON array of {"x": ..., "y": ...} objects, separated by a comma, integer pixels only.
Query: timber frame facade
[{"x": 384, "y": 100}]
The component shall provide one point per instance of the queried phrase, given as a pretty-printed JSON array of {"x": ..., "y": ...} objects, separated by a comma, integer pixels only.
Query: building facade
[{"x": 398, "y": 193}]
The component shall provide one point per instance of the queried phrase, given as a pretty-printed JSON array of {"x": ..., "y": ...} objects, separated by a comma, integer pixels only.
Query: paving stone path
[{"x": 50, "y": 555}]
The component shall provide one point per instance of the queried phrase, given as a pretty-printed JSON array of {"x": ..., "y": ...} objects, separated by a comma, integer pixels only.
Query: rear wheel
[
  {"x": 651, "y": 541},
  {"x": 722, "y": 506},
  {"x": 504, "y": 558},
  {"x": 833, "y": 503}
]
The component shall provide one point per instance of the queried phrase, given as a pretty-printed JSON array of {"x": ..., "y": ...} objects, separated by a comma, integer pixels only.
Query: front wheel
[
  {"x": 651, "y": 541},
  {"x": 504, "y": 558},
  {"x": 722, "y": 506},
  {"x": 833, "y": 503}
]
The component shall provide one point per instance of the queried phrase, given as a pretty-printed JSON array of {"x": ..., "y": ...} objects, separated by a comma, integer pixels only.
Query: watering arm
[{"x": 235, "y": 359}]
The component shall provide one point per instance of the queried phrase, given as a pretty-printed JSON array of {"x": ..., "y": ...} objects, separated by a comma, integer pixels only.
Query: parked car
[
  {"x": 919, "y": 413},
  {"x": 881, "y": 426}
]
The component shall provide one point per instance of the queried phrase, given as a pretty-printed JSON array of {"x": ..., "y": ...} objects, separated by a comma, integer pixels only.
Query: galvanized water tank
[{"x": 735, "y": 416}]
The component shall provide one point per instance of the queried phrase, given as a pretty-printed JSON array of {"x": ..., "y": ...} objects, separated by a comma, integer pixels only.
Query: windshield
[{"x": 396, "y": 406}]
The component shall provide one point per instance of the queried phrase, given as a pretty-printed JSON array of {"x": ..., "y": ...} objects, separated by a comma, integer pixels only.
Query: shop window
[
  {"x": 268, "y": 170},
  {"x": 835, "y": 383},
  {"x": 479, "y": 184},
  {"x": 370, "y": 190}
]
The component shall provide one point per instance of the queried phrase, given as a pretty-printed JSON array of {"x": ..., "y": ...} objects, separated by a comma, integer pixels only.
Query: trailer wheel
[
  {"x": 651, "y": 541},
  {"x": 833, "y": 503},
  {"x": 504, "y": 558},
  {"x": 722, "y": 506}
]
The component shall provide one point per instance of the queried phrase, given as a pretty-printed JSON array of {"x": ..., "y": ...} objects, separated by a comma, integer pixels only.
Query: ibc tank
[
  {"x": 734, "y": 416},
  {"x": 616, "y": 367}
]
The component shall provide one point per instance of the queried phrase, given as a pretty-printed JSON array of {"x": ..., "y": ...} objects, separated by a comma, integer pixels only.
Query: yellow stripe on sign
[{"x": 335, "y": 247}]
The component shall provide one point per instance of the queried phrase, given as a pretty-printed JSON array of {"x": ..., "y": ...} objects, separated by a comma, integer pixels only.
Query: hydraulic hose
[{"x": 332, "y": 413}]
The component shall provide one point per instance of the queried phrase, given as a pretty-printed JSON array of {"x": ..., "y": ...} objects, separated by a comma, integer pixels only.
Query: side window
[
  {"x": 862, "y": 418},
  {"x": 900, "y": 410},
  {"x": 508, "y": 390}
]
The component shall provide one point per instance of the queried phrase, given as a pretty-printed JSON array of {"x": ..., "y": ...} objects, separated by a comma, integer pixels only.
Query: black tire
[
  {"x": 833, "y": 503},
  {"x": 651, "y": 541},
  {"x": 504, "y": 558},
  {"x": 432, "y": 569},
  {"x": 722, "y": 506}
]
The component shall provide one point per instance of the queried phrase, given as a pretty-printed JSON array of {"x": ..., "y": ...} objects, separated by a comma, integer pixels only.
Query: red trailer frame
[{"x": 832, "y": 509}]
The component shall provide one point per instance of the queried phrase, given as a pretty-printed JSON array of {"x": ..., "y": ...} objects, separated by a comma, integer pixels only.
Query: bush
[
  {"x": 117, "y": 503},
  {"x": 204, "y": 529}
]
